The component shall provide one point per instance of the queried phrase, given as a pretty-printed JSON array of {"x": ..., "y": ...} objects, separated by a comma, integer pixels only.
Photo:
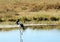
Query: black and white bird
[{"x": 20, "y": 23}]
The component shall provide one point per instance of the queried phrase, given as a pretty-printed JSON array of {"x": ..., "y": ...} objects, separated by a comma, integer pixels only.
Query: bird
[{"x": 20, "y": 23}]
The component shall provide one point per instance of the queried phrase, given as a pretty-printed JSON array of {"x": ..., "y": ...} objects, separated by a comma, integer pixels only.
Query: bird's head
[{"x": 18, "y": 19}]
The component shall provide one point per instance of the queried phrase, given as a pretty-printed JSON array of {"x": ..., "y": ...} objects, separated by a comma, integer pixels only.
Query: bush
[
  {"x": 12, "y": 20},
  {"x": 46, "y": 19},
  {"x": 1, "y": 20},
  {"x": 26, "y": 19},
  {"x": 40, "y": 18},
  {"x": 54, "y": 19},
  {"x": 34, "y": 18}
]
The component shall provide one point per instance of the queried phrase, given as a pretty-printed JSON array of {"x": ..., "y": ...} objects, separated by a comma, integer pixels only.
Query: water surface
[{"x": 30, "y": 35}]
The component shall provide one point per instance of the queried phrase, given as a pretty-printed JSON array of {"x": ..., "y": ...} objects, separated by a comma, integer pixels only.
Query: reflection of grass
[
  {"x": 44, "y": 27},
  {"x": 8, "y": 29},
  {"x": 32, "y": 27}
]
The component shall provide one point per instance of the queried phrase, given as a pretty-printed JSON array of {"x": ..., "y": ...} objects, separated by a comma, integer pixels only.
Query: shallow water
[{"x": 30, "y": 35}]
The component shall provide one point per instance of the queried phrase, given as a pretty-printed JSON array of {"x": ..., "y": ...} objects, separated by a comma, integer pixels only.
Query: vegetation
[
  {"x": 28, "y": 5},
  {"x": 43, "y": 17},
  {"x": 30, "y": 11}
]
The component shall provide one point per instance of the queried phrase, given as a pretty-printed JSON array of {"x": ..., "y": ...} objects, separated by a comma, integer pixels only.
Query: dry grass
[
  {"x": 42, "y": 17},
  {"x": 28, "y": 5},
  {"x": 30, "y": 11}
]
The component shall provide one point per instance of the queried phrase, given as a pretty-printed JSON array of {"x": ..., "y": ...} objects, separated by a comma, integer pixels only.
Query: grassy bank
[
  {"x": 42, "y": 17},
  {"x": 28, "y": 5},
  {"x": 30, "y": 11}
]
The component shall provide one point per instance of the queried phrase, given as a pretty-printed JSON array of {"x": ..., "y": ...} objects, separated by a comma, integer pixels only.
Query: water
[{"x": 30, "y": 35}]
